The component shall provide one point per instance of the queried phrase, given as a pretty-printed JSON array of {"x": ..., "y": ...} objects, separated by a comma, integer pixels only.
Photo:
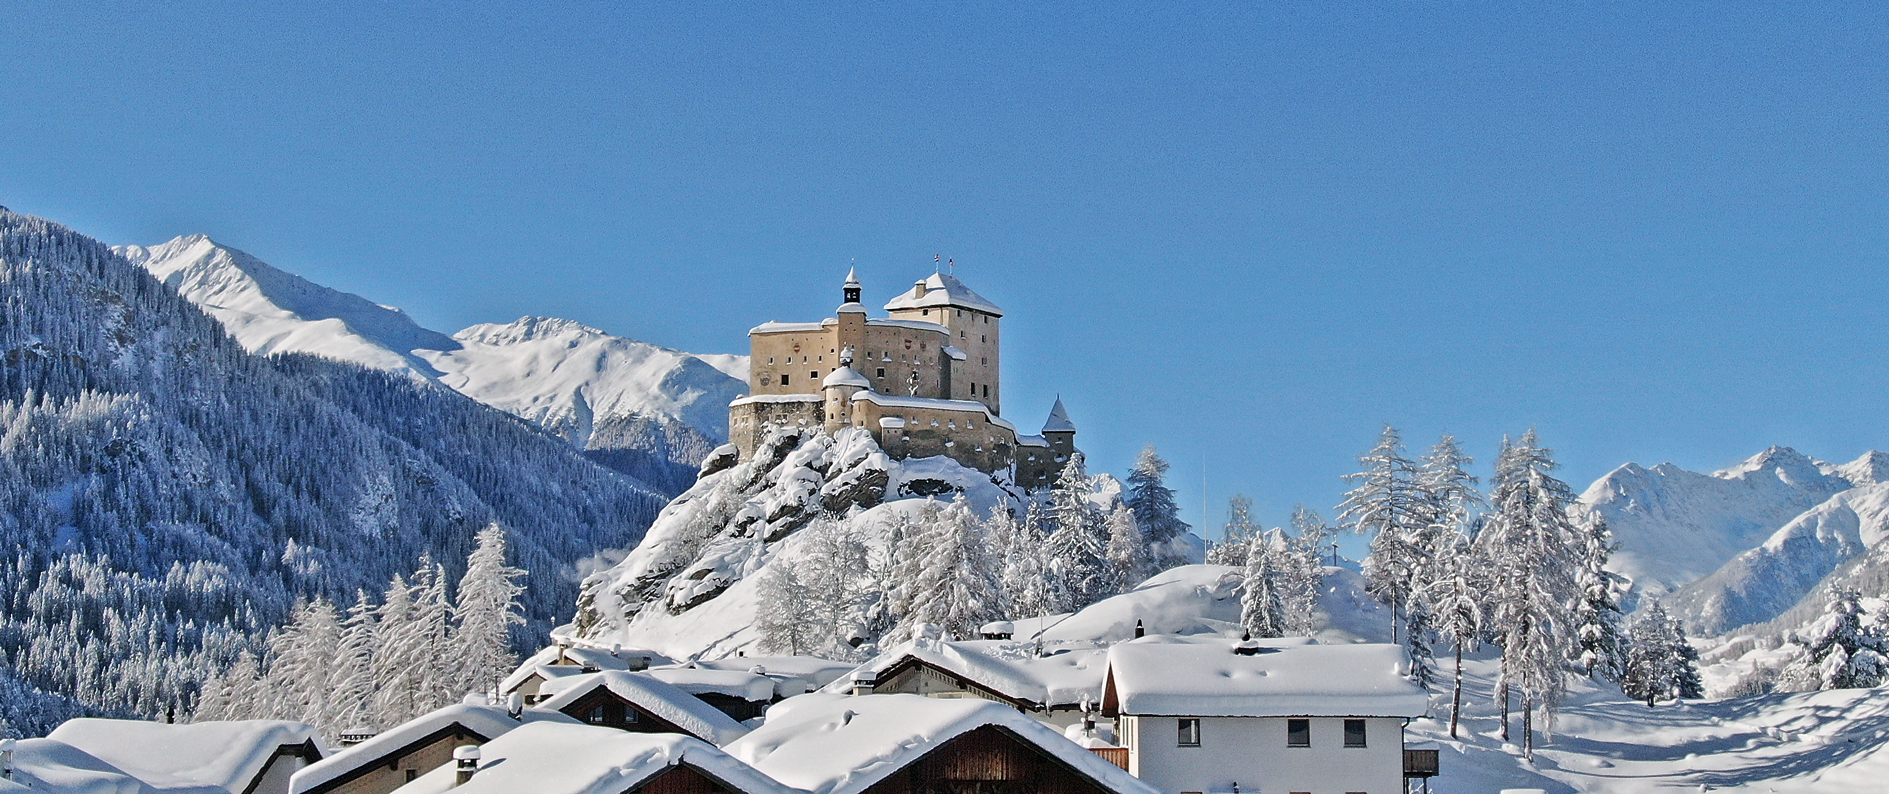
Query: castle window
[
  {"x": 814, "y": 376},
  {"x": 960, "y": 313},
  {"x": 985, "y": 360},
  {"x": 882, "y": 372},
  {"x": 962, "y": 334},
  {"x": 983, "y": 337},
  {"x": 770, "y": 361},
  {"x": 784, "y": 379},
  {"x": 926, "y": 312},
  {"x": 822, "y": 358},
  {"x": 986, "y": 390},
  {"x": 953, "y": 424}
]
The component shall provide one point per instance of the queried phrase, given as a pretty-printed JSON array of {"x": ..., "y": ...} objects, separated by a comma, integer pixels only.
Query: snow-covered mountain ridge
[
  {"x": 650, "y": 411},
  {"x": 1745, "y": 543}
]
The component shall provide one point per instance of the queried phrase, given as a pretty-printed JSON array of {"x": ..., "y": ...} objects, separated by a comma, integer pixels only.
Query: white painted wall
[{"x": 1252, "y": 752}]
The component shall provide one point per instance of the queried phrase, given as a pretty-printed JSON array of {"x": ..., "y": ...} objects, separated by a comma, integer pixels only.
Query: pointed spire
[
  {"x": 852, "y": 277},
  {"x": 851, "y": 290},
  {"x": 1058, "y": 421}
]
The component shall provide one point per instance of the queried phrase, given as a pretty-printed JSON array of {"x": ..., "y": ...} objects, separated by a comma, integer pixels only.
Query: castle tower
[
  {"x": 839, "y": 389},
  {"x": 1060, "y": 432},
  {"x": 973, "y": 323},
  {"x": 851, "y": 290}
]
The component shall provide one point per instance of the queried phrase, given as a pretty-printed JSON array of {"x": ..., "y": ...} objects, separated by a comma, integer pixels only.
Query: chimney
[
  {"x": 918, "y": 291},
  {"x": 863, "y": 681},
  {"x": 465, "y": 763},
  {"x": 6, "y": 759},
  {"x": 1139, "y": 631},
  {"x": 515, "y": 705}
]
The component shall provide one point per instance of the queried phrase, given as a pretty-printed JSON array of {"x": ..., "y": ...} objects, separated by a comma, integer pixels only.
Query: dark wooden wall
[{"x": 988, "y": 760}]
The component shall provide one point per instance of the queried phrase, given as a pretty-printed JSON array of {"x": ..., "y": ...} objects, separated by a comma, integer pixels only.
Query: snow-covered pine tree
[
  {"x": 1262, "y": 601},
  {"x": 1026, "y": 584},
  {"x": 1651, "y": 672},
  {"x": 439, "y": 682},
  {"x": 488, "y": 609},
  {"x": 959, "y": 590},
  {"x": 302, "y": 654},
  {"x": 1128, "y": 558},
  {"x": 1533, "y": 550},
  {"x": 1386, "y": 506},
  {"x": 1454, "y": 595},
  {"x": 1078, "y": 546},
  {"x": 1842, "y": 652},
  {"x": 785, "y": 620},
  {"x": 1597, "y": 613},
  {"x": 351, "y": 681},
  {"x": 1155, "y": 510},
  {"x": 1303, "y": 578},
  {"x": 398, "y": 664},
  {"x": 1237, "y": 536},
  {"x": 911, "y": 559}
]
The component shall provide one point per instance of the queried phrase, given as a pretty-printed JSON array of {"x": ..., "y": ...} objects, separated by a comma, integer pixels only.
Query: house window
[
  {"x": 594, "y": 716},
  {"x": 1354, "y": 733},
  {"x": 1190, "y": 732},
  {"x": 784, "y": 379},
  {"x": 1299, "y": 733}
]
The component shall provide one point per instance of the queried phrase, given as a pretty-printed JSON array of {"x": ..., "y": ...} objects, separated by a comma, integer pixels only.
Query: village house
[
  {"x": 740, "y": 694},
  {"x": 641, "y": 703},
  {"x": 1209, "y": 715},
  {"x": 1054, "y": 686},
  {"x": 237, "y": 756},
  {"x": 908, "y": 744},
  {"x": 398, "y": 755},
  {"x": 924, "y": 381},
  {"x": 564, "y": 660},
  {"x": 559, "y": 758}
]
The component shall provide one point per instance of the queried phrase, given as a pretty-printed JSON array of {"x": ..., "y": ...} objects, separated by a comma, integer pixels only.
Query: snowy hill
[
  {"x": 646, "y": 410},
  {"x": 1743, "y": 544},
  {"x": 173, "y": 495}
]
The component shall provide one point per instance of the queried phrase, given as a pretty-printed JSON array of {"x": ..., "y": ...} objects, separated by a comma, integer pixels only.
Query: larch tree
[
  {"x": 1455, "y": 596},
  {"x": 1155, "y": 510},
  {"x": 1236, "y": 537},
  {"x": 1386, "y": 506},
  {"x": 488, "y": 608},
  {"x": 302, "y": 653},
  {"x": 397, "y": 662},
  {"x": 352, "y": 679},
  {"x": 1533, "y": 550},
  {"x": 1128, "y": 557},
  {"x": 785, "y": 619},
  {"x": 959, "y": 592}
]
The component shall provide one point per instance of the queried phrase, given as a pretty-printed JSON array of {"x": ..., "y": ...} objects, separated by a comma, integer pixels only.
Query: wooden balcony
[
  {"x": 1114, "y": 755},
  {"x": 1420, "y": 763}
]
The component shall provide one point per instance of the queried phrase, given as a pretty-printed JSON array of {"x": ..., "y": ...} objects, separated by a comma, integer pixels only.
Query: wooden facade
[
  {"x": 608, "y": 709},
  {"x": 988, "y": 760},
  {"x": 681, "y": 780},
  {"x": 398, "y": 768}
]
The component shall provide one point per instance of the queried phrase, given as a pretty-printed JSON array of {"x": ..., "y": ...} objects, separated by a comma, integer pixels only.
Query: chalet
[
  {"x": 563, "y": 660},
  {"x": 239, "y": 756},
  {"x": 640, "y": 703},
  {"x": 785, "y": 670},
  {"x": 397, "y": 756},
  {"x": 1054, "y": 685},
  {"x": 558, "y": 758},
  {"x": 908, "y": 744},
  {"x": 1202, "y": 715},
  {"x": 740, "y": 694}
]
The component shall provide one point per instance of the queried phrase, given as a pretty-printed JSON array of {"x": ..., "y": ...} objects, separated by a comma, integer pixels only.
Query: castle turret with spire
[{"x": 924, "y": 380}]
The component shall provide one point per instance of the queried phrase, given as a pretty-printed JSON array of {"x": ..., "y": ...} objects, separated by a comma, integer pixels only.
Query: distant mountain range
[
  {"x": 649, "y": 411},
  {"x": 1748, "y": 543}
]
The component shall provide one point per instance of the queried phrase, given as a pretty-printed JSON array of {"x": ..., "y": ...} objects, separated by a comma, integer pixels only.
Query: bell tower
[{"x": 851, "y": 290}]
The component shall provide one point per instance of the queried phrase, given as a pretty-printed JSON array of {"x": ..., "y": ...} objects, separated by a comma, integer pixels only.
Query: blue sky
[{"x": 1248, "y": 235}]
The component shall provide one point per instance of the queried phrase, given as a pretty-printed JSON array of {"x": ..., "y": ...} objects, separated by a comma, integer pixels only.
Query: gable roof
[
  {"x": 1009, "y": 668},
  {"x": 706, "y": 681},
  {"x": 944, "y": 289},
  {"x": 1206, "y": 677},
  {"x": 839, "y": 744},
  {"x": 667, "y": 702},
  {"x": 558, "y": 758},
  {"x": 47, "y": 765},
  {"x": 485, "y": 722},
  {"x": 225, "y": 755},
  {"x": 546, "y": 663}
]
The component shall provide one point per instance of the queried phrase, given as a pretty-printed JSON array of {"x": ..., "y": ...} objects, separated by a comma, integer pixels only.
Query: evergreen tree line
[
  {"x": 376, "y": 665},
  {"x": 1522, "y": 568},
  {"x": 1840, "y": 649},
  {"x": 942, "y": 568},
  {"x": 168, "y": 497}
]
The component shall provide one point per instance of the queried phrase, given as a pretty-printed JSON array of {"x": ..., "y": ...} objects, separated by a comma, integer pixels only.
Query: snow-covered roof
[
  {"x": 891, "y": 422},
  {"x": 226, "y": 755},
  {"x": 668, "y": 702},
  {"x": 845, "y": 376},
  {"x": 850, "y": 307},
  {"x": 840, "y": 744},
  {"x": 546, "y": 662},
  {"x": 943, "y": 289},
  {"x": 1061, "y": 677},
  {"x": 777, "y": 398},
  {"x": 916, "y": 325},
  {"x": 1206, "y": 677},
  {"x": 487, "y": 722},
  {"x": 701, "y": 681},
  {"x": 47, "y": 765},
  {"x": 852, "y": 277},
  {"x": 812, "y": 669},
  {"x": 772, "y": 327},
  {"x": 557, "y": 758},
  {"x": 1058, "y": 421},
  {"x": 934, "y": 404},
  {"x": 1032, "y": 441},
  {"x": 954, "y": 352}
]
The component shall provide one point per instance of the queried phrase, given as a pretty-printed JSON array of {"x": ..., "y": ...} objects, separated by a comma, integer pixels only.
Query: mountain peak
[
  {"x": 1870, "y": 469},
  {"x": 1785, "y": 463},
  {"x": 526, "y": 329}
]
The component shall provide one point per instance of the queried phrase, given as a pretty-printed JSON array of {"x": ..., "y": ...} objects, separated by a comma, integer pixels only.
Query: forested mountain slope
[
  {"x": 648, "y": 411},
  {"x": 168, "y": 495}
]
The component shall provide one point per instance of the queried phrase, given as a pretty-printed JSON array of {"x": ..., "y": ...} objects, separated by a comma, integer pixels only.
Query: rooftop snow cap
[
  {"x": 852, "y": 277},
  {"x": 1058, "y": 421},
  {"x": 1215, "y": 677},
  {"x": 943, "y": 289},
  {"x": 845, "y": 376}
]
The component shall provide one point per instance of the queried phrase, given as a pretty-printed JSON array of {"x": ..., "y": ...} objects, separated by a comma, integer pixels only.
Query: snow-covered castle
[{"x": 923, "y": 380}]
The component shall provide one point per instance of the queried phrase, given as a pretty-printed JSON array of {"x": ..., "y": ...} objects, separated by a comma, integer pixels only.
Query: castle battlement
[{"x": 924, "y": 381}]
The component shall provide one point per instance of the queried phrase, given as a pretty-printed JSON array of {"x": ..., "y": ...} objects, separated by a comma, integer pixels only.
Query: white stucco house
[{"x": 1211, "y": 715}]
